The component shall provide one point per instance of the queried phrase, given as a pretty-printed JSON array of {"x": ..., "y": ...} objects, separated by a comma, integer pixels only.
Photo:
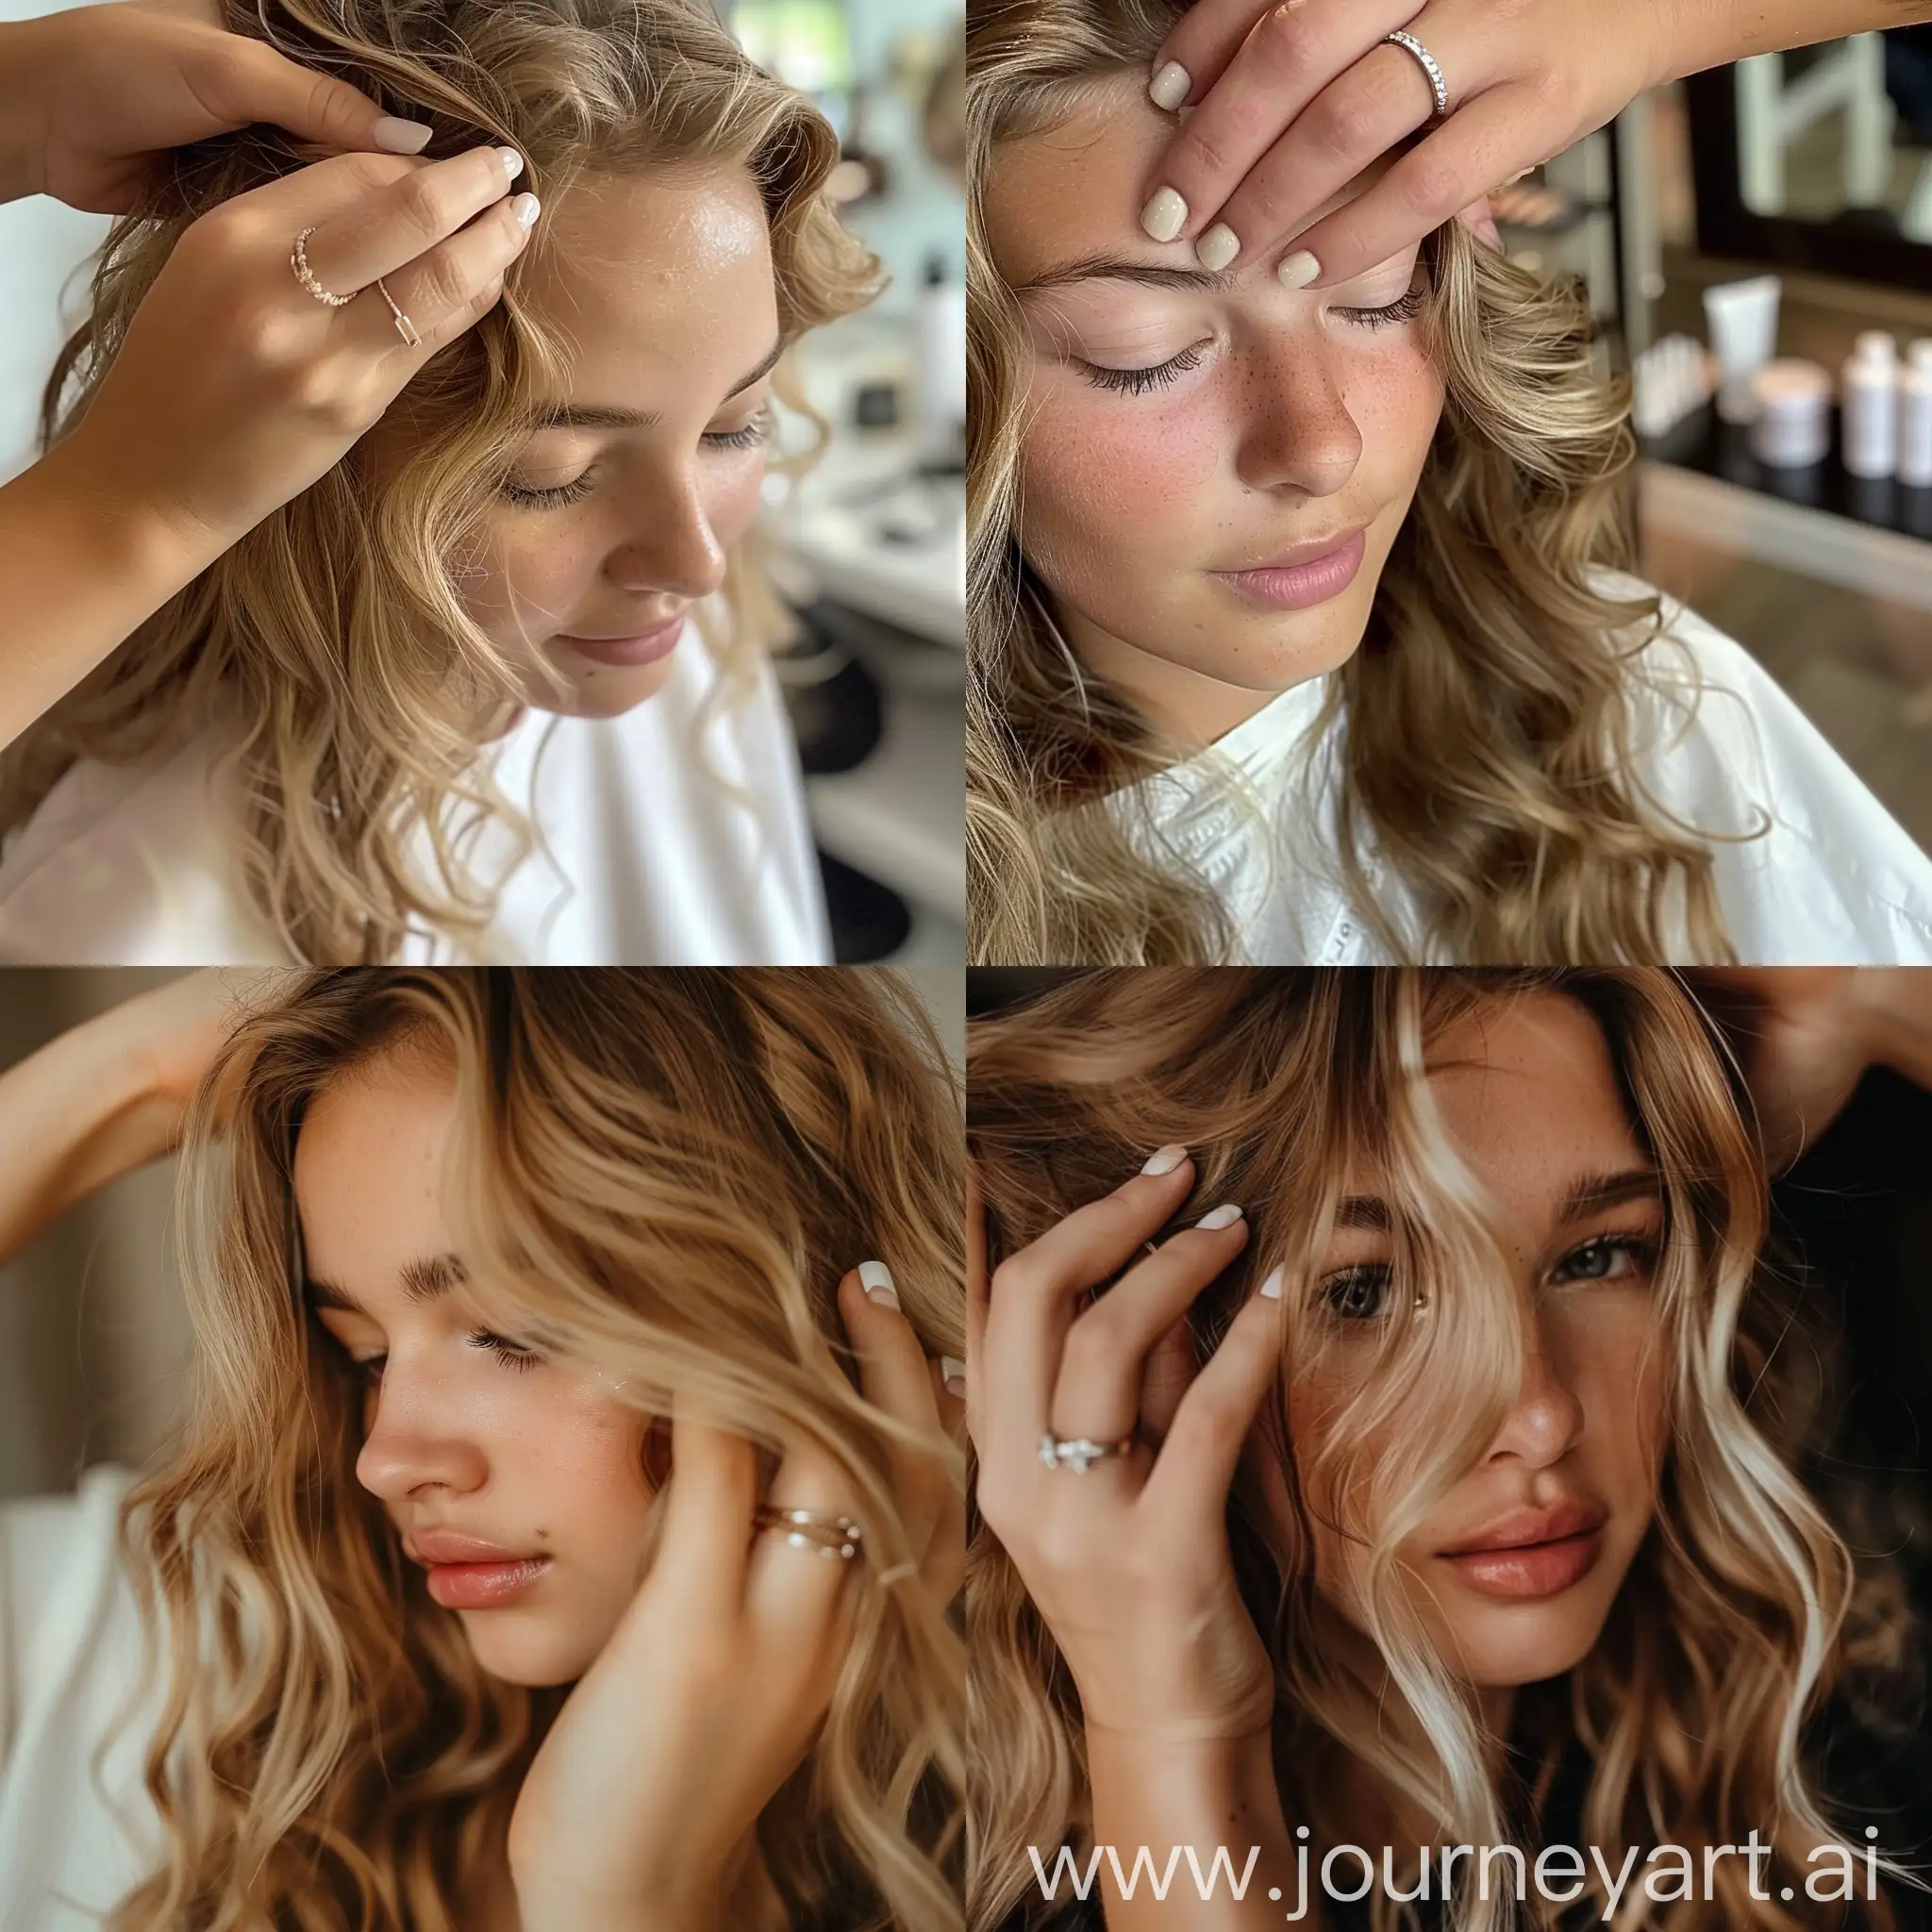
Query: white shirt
[
  {"x": 72, "y": 1845},
  {"x": 673, "y": 839},
  {"x": 1834, "y": 879}
]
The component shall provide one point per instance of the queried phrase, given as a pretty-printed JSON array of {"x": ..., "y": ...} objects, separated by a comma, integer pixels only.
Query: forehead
[
  {"x": 1077, "y": 188},
  {"x": 651, "y": 275}
]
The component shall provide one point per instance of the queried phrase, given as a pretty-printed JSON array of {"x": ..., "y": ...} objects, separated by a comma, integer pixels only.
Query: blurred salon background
[
  {"x": 871, "y": 542},
  {"x": 94, "y": 1340},
  {"x": 1758, "y": 244}
]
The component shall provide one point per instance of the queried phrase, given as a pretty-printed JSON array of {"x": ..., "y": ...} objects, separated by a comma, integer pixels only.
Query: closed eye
[{"x": 369, "y": 1367}]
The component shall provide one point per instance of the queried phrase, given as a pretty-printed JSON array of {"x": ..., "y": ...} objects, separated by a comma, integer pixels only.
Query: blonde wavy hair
[
  {"x": 1744, "y": 1606},
  {"x": 663, "y": 1171},
  {"x": 1486, "y": 750},
  {"x": 331, "y": 642}
]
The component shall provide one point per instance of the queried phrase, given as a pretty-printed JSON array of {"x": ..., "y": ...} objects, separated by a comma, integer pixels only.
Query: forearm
[
  {"x": 1210, "y": 1799},
  {"x": 19, "y": 138},
  {"x": 1711, "y": 33},
  {"x": 80, "y": 568},
  {"x": 74, "y": 1115}
]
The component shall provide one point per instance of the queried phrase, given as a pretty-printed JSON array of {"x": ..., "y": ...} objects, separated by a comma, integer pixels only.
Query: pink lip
[
  {"x": 644, "y": 647},
  {"x": 1532, "y": 1553},
  {"x": 1300, "y": 586},
  {"x": 484, "y": 1586}
]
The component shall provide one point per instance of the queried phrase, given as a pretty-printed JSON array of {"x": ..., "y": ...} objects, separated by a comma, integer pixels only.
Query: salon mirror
[{"x": 1821, "y": 159}]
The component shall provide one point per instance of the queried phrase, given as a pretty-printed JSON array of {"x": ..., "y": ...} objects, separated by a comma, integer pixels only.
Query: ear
[{"x": 1481, "y": 223}]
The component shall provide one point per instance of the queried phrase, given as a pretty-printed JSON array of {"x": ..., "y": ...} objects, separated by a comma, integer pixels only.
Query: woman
[
  {"x": 1302, "y": 632},
  {"x": 1480, "y": 1523},
  {"x": 450, "y": 1606},
  {"x": 495, "y": 687}
]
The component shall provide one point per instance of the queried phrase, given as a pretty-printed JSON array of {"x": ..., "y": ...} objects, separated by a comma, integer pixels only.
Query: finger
[
  {"x": 384, "y": 231},
  {"x": 1104, "y": 1361},
  {"x": 1204, "y": 1439},
  {"x": 1171, "y": 1368},
  {"x": 797, "y": 1596},
  {"x": 1283, "y": 65},
  {"x": 895, "y": 1376},
  {"x": 1480, "y": 220},
  {"x": 1030, "y": 1306},
  {"x": 701, "y": 1549},
  {"x": 242, "y": 81},
  {"x": 448, "y": 289},
  {"x": 1477, "y": 145}
]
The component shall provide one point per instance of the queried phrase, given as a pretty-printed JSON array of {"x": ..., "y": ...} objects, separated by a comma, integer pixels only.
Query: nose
[
  {"x": 1546, "y": 1417},
  {"x": 670, "y": 545},
  {"x": 1296, "y": 432},
  {"x": 410, "y": 1443}
]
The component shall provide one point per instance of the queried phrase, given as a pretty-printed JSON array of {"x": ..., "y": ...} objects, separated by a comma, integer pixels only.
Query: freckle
[{"x": 543, "y": 1536}]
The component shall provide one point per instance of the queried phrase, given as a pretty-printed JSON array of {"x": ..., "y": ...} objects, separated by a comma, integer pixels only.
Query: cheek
[
  {"x": 528, "y": 579},
  {"x": 733, "y": 492}
]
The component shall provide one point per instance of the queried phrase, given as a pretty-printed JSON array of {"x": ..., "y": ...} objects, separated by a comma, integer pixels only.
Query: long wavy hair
[
  {"x": 665, "y": 1173},
  {"x": 1744, "y": 1606},
  {"x": 330, "y": 643},
  {"x": 1487, "y": 746}
]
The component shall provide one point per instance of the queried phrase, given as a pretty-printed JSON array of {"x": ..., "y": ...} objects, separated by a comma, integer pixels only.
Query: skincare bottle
[
  {"x": 1743, "y": 333},
  {"x": 941, "y": 366},
  {"x": 1793, "y": 426},
  {"x": 1915, "y": 417},
  {"x": 1869, "y": 406}
]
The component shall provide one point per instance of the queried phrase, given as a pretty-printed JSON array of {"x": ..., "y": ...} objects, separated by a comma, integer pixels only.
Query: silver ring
[
  {"x": 1429, "y": 67},
  {"x": 405, "y": 327},
  {"x": 1078, "y": 1452},
  {"x": 811, "y": 1529},
  {"x": 298, "y": 260}
]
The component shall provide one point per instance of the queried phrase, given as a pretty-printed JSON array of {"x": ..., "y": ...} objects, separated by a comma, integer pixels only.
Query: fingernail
[
  {"x": 1165, "y": 215},
  {"x": 876, "y": 1280},
  {"x": 953, "y": 1372},
  {"x": 513, "y": 162},
  {"x": 402, "y": 136},
  {"x": 526, "y": 207},
  {"x": 1217, "y": 247},
  {"x": 1299, "y": 270},
  {"x": 1270, "y": 1285},
  {"x": 1170, "y": 87},
  {"x": 1165, "y": 1159},
  {"x": 1224, "y": 1216}
]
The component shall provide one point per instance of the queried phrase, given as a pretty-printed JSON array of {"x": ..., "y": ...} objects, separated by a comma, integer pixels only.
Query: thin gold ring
[
  {"x": 298, "y": 260},
  {"x": 811, "y": 1529},
  {"x": 405, "y": 327}
]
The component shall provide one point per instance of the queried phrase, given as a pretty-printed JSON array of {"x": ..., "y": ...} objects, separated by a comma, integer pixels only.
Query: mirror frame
[{"x": 1726, "y": 226}]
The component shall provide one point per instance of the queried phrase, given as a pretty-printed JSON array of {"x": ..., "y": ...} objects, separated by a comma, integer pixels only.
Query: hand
[
  {"x": 172, "y": 1035},
  {"x": 1296, "y": 99},
  {"x": 105, "y": 94},
  {"x": 236, "y": 389},
  {"x": 1128, "y": 1562},
  {"x": 710, "y": 1692}
]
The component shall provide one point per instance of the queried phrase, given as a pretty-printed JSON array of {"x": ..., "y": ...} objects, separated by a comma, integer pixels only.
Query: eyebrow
[
  {"x": 1590, "y": 1194},
  {"x": 422, "y": 1281},
  {"x": 609, "y": 416},
  {"x": 1124, "y": 268}
]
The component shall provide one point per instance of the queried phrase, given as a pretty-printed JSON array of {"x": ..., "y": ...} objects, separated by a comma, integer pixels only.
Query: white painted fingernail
[
  {"x": 953, "y": 1372},
  {"x": 400, "y": 137},
  {"x": 1224, "y": 1216},
  {"x": 876, "y": 1280},
  {"x": 1165, "y": 1159},
  {"x": 1270, "y": 1285},
  {"x": 1165, "y": 215},
  {"x": 526, "y": 207},
  {"x": 1170, "y": 87},
  {"x": 1299, "y": 270},
  {"x": 1217, "y": 247},
  {"x": 513, "y": 162}
]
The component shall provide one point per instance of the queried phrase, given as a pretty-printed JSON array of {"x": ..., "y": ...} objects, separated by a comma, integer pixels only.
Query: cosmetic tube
[
  {"x": 1868, "y": 412},
  {"x": 1743, "y": 332},
  {"x": 1791, "y": 428},
  {"x": 1915, "y": 420}
]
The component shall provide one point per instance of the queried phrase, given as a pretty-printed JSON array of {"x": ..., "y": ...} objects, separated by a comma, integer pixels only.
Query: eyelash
[
  {"x": 747, "y": 436},
  {"x": 1642, "y": 1251},
  {"x": 1137, "y": 382},
  {"x": 521, "y": 1360}
]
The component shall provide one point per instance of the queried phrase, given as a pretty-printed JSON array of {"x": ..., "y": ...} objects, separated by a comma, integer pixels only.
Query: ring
[
  {"x": 1078, "y": 1452},
  {"x": 298, "y": 260},
  {"x": 405, "y": 327},
  {"x": 810, "y": 1529},
  {"x": 1429, "y": 67}
]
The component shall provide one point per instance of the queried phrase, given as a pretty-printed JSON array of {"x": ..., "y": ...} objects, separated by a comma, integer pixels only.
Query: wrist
[
  {"x": 1888, "y": 1017},
  {"x": 95, "y": 510}
]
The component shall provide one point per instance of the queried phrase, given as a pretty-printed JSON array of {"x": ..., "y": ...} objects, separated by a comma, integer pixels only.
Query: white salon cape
[
  {"x": 1833, "y": 880},
  {"x": 675, "y": 835},
  {"x": 73, "y": 1839}
]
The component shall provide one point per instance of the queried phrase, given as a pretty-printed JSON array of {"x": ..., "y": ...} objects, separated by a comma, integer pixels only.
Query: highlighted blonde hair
[
  {"x": 1487, "y": 749},
  {"x": 1743, "y": 1607},
  {"x": 329, "y": 645},
  {"x": 665, "y": 1173}
]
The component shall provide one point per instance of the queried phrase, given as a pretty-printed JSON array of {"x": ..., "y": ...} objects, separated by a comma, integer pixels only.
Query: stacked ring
[
  {"x": 1078, "y": 1452},
  {"x": 812, "y": 1529}
]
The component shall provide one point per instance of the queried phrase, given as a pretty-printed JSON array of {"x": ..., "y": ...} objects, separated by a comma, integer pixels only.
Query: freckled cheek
[
  {"x": 531, "y": 584},
  {"x": 1396, "y": 401},
  {"x": 732, "y": 497}
]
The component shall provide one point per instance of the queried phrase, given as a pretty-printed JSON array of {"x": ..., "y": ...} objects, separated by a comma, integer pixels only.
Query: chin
[
  {"x": 602, "y": 691},
  {"x": 530, "y": 1651}
]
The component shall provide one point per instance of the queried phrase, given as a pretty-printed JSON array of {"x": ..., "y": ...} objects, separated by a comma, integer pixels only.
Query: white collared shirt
[
  {"x": 674, "y": 834},
  {"x": 1833, "y": 879}
]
